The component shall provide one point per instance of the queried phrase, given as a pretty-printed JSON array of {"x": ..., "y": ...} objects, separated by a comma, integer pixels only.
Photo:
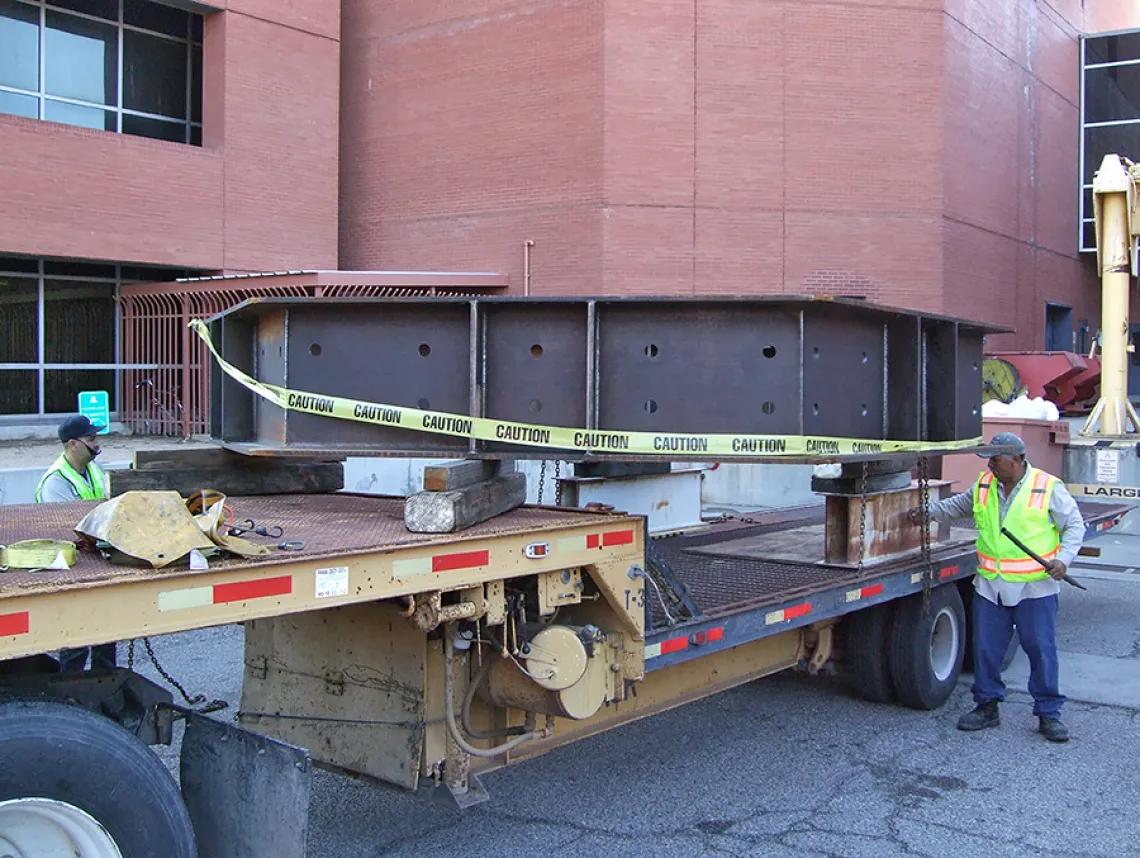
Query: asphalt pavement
[{"x": 785, "y": 766}]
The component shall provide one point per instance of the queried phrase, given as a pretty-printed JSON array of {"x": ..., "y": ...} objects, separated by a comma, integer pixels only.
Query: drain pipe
[{"x": 527, "y": 245}]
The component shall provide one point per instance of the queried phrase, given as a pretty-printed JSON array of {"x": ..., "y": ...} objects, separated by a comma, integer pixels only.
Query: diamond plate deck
[{"x": 329, "y": 525}]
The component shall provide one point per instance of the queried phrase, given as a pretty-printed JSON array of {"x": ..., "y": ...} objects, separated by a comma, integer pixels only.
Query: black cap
[{"x": 77, "y": 426}]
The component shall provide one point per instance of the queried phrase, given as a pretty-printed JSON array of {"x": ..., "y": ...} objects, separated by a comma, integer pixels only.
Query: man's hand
[{"x": 1056, "y": 570}]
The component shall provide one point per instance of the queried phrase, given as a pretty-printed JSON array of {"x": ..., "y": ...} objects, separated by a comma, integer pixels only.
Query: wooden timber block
[
  {"x": 459, "y": 474},
  {"x": 240, "y": 478},
  {"x": 448, "y": 512},
  {"x": 212, "y": 457}
]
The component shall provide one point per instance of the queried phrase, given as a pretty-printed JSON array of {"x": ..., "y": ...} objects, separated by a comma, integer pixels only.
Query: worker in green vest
[
  {"x": 1011, "y": 588},
  {"x": 75, "y": 476}
]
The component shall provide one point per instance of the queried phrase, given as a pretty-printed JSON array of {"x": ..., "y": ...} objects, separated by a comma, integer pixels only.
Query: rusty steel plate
[
  {"x": 796, "y": 365},
  {"x": 330, "y": 525}
]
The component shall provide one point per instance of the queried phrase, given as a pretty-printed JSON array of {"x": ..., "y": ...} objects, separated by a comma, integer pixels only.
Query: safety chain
[
  {"x": 558, "y": 482},
  {"x": 863, "y": 517},
  {"x": 541, "y": 480},
  {"x": 924, "y": 534},
  {"x": 214, "y": 705}
]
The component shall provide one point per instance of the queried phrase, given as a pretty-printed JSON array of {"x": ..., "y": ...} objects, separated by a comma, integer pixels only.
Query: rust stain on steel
[
  {"x": 887, "y": 532},
  {"x": 330, "y": 525}
]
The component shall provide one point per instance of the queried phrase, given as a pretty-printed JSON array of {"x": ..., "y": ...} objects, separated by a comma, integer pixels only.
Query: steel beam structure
[{"x": 786, "y": 365}]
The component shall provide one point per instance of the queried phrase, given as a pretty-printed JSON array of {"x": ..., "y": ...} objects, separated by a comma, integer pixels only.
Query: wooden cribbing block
[
  {"x": 186, "y": 471},
  {"x": 459, "y": 474},
  {"x": 448, "y": 512}
]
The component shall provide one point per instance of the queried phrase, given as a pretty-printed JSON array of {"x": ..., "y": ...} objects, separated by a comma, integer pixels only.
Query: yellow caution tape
[{"x": 583, "y": 440}]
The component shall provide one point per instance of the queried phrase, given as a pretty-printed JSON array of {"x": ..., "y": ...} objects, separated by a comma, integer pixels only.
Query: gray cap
[{"x": 1004, "y": 439}]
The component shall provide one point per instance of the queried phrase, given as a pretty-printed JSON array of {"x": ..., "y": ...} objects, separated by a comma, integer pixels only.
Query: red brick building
[{"x": 917, "y": 152}]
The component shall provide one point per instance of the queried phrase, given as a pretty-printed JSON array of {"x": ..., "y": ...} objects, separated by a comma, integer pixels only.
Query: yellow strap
[
  {"x": 37, "y": 554},
  {"x": 564, "y": 438}
]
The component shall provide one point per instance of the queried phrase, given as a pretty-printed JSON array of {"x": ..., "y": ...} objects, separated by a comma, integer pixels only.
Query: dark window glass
[
  {"x": 154, "y": 16},
  {"x": 150, "y": 275},
  {"x": 81, "y": 59},
  {"x": 1111, "y": 49},
  {"x": 19, "y": 320},
  {"x": 156, "y": 129},
  {"x": 79, "y": 322},
  {"x": 195, "y": 135},
  {"x": 20, "y": 38},
  {"x": 154, "y": 75},
  {"x": 1112, "y": 93},
  {"x": 195, "y": 84},
  {"x": 1088, "y": 199},
  {"x": 108, "y": 9},
  {"x": 18, "y": 391},
  {"x": 64, "y": 268},
  {"x": 1088, "y": 236},
  {"x": 196, "y": 22},
  {"x": 19, "y": 263},
  {"x": 63, "y": 386},
  {"x": 1122, "y": 139},
  {"x": 20, "y": 105},
  {"x": 77, "y": 114}
]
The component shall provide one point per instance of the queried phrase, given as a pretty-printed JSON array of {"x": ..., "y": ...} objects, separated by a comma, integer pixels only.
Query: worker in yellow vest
[
  {"x": 1012, "y": 589},
  {"x": 75, "y": 476}
]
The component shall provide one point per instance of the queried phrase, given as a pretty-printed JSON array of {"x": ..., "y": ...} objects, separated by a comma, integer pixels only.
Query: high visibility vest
[
  {"x": 1027, "y": 519},
  {"x": 95, "y": 491}
]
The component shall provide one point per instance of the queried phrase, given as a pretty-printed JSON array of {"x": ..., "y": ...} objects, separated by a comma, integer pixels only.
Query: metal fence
[{"x": 170, "y": 394}]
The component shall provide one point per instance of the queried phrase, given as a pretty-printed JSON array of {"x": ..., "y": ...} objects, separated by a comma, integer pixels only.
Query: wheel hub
[
  {"x": 45, "y": 828},
  {"x": 943, "y": 644}
]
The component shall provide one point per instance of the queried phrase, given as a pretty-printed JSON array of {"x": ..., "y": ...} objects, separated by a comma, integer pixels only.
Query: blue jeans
[
  {"x": 1036, "y": 621},
  {"x": 103, "y": 657}
]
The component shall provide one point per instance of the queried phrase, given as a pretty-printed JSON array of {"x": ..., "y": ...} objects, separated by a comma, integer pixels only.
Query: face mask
[{"x": 94, "y": 452}]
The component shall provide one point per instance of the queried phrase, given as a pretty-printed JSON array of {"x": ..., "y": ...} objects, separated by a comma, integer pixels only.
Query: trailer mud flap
[{"x": 248, "y": 795}]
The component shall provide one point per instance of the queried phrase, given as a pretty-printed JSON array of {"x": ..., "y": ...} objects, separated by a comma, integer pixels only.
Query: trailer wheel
[
  {"x": 866, "y": 635},
  {"x": 75, "y": 783},
  {"x": 926, "y": 652}
]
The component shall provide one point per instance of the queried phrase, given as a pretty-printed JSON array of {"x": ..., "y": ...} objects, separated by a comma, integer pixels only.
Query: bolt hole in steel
[
  {"x": 815, "y": 352},
  {"x": 651, "y": 350},
  {"x": 535, "y": 406},
  {"x": 425, "y": 349},
  {"x": 651, "y": 405},
  {"x": 423, "y": 404},
  {"x": 536, "y": 350},
  {"x": 944, "y": 644},
  {"x": 863, "y": 410},
  {"x": 315, "y": 349},
  {"x": 815, "y": 408},
  {"x": 769, "y": 351},
  {"x": 768, "y": 407},
  {"x": 865, "y": 358},
  {"x": 45, "y": 828}
]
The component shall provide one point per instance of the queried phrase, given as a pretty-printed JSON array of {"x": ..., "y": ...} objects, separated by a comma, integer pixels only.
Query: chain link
[
  {"x": 924, "y": 534},
  {"x": 541, "y": 480},
  {"x": 214, "y": 705},
  {"x": 558, "y": 483},
  {"x": 863, "y": 517}
]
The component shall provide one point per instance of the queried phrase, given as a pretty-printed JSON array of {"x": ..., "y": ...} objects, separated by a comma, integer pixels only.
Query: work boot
[
  {"x": 984, "y": 715},
  {"x": 1052, "y": 729}
]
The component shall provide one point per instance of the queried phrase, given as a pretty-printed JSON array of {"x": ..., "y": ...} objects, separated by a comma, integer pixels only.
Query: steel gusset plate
[{"x": 795, "y": 365}]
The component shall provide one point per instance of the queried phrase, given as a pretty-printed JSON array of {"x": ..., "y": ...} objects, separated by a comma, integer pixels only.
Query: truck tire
[
  {"x": 866, "y": 635},
  {"x": 926, "y": 652},
  {"x": 73, "y": 780}
]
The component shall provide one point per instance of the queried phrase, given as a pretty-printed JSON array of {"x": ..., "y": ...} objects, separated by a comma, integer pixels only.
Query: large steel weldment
[{"x": 797, "y": 365}]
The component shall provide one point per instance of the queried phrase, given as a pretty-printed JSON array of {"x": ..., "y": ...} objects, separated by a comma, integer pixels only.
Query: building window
[
  {"x": 130, "y": 66},
  {"x": 1110, "y": 112},
  {"x": 59, "y": 331}
]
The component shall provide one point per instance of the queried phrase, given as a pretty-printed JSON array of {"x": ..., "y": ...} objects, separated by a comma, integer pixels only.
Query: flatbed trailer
[{"x": 418, "y": 659}]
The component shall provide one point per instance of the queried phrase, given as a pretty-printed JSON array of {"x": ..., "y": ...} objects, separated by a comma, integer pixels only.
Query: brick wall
[
  {"x": 1012, "y": 130},
  {"x": 260, "y": 194}
]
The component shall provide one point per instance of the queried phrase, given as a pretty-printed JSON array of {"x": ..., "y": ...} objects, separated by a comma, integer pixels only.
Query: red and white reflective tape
[
  {"x": 943, "y": 573},
  {"x": 785, "y": 614},
  {"x": 441, "y": 563},
  {"x": 222, "y": 594},
  {"x": 590, "y": 541},
  {"x": 684, "y": 642},
  {"x": 15, "y": 624},
  {"x": 865, "y": 592}
]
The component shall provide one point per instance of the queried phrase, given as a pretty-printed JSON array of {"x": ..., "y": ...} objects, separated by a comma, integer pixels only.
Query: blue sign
[{"x": 95, "y": 406}]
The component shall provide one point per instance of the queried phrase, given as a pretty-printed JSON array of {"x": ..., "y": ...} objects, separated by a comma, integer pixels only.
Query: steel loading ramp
[{"x": 777, "y": 378}]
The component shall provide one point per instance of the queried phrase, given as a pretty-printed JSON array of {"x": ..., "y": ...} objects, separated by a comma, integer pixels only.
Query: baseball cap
[
  {"x": 77, "y": 426},
  {"x": 1004, "y": 439}
]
